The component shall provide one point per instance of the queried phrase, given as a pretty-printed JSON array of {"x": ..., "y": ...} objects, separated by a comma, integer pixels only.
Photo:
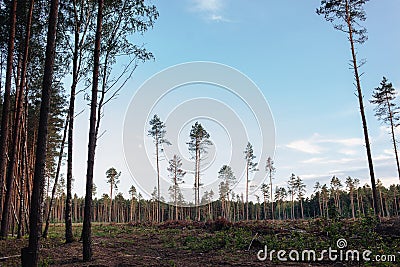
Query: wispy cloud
[
  {"x": 314, "y": 160},
  {"x": 316, "y": 145},
  {"x": 213, "y": 6},
  {"x": 348, "y": 152},
  {"x": 306, "y": 146},
  {"x": 211, "y": 10},
  {"x": 331, "y": 161},
  {"x": 346, "y": 142}
]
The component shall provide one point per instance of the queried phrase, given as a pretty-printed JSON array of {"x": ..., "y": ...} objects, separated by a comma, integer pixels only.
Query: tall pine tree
[{"x": 387, "y": 111}]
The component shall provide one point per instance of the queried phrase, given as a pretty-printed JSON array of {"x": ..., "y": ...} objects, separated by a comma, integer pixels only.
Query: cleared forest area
[{"x": 213, "y": 243}]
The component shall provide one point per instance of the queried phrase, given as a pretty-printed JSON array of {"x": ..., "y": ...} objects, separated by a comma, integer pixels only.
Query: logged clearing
[{"x": 217, "y": 243}]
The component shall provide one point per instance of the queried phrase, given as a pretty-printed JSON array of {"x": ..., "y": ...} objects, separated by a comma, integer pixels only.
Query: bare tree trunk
[
  {"x": 393, "y": 135},
  {"x": 247, "y": 191},
  {"x": 69, "y": 237},
  {"x": 53, "y": 191},
  {"x": 21, "y": 214},
  {"x": 30, "y": 254},
  {"x": 358, "y": 202},
  {"x": 158, "y": 179},
  {"x": 352, "y": 204},
  {"x": 198, "y": 180},
  {"x": 381, "y": 202},
  {"x": 272, "y": 199},
  {"x": 301, "y": 208},
  {"x": 319, "y": 204},
  {"x": 5, "y": 115},
  {"x": 19, "y": 102},
  {"x": 110, "y": 219},
  {"x": 361, "y": 105},
  {"x": 87, "y": 231}
]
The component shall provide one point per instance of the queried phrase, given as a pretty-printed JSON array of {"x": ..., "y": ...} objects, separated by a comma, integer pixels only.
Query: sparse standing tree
[
  {"x": 265, "y": 192},
  {"x": 132, "y": 193},
  {"x": 113, "y": 179},
  {"x": 325, "y": 199},
  {"x": 336, "y": 185},
  {"x": 387, "y": 111},
  {"x": 356, "y": 184},
  {"x": 250, "y": 167},
  {"x": 350, "y": 186},
  {"x": 198, "y": 144},
  {"x": 346, "y": 16},
  {"x": 292, "y": 192},
  {"x": 380, "y": 188},
  {"x": 228, "y": 178},
  {"x": 317, "y": 191},
  {"x": 270, "y": 168},
  {"x": 300, "y": 189},
  {"x": 176, "y": 174},
  {"x": 280, "y": 196},
  {"x": 158, "y": 132}
]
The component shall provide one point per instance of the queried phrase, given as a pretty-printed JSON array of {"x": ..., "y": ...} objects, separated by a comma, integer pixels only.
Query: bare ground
[{"x": 173, "y": 244}]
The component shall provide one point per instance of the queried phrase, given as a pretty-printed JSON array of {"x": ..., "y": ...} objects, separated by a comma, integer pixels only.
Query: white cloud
[
  {"x": 314, "y": 160},
  {"x": 348, "y": 152},
  {"x": 316, "y": 145},
  {"x": 383, "y": 157},
  {"x": 311, "y": 176},
  {"x": 306, "y": 146},
  {"x": 388, "y": 151},
  {"x": 212, "y": 6},
  {"x": 346, "y": 142},
  {"x": 211, "y": 10}
]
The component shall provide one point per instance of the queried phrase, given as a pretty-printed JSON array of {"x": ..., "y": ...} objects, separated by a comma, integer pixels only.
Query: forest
[{"x": 53, "y": 51}]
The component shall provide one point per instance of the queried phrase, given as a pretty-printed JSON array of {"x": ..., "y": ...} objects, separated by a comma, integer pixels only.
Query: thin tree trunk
[
  {"x": 30, "y": 254},
  {"x": 21, "y": 216},
  {"x": 381, "y": 202},
  {"x": 361, "y": 105},
  {"x": 301, "y": 208},
  {"x": 53, "y": 191},
  {"x": 247, "y": 191},
  {"x": 352, "y": 204},
  {"x": 110, "y": 219},
  {"x": 69, "y": 237},
  {"x": 358, "y": 202},
  {"x": 393, "y": 136},
  {"x": 319, "y": 204},
  {"x": 272, "y": 199},
  {"x": 158, "y": 180},
  {"x": 87, "y": 231},
  {"x": 198, "y": 181},
  {"x": 5, "y": 116}
]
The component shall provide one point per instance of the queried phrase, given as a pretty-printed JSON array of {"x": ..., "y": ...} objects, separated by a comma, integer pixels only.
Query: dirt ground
[{"x": 130, "y": 245}]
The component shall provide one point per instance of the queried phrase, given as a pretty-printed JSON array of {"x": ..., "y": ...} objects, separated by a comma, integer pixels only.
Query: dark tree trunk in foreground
[
  {"x": 30, "y": 254},
  {"x": 87, "y": 231},
  {"x": 5, "y": 113}
]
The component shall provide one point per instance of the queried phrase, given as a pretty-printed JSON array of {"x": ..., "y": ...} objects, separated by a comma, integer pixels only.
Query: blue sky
[{"x": 299, "y": 62}]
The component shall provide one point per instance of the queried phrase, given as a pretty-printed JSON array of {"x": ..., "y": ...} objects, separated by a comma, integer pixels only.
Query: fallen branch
[
  {"x": 255, "y": 236},
  {"x": 9, "y": 257}
]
